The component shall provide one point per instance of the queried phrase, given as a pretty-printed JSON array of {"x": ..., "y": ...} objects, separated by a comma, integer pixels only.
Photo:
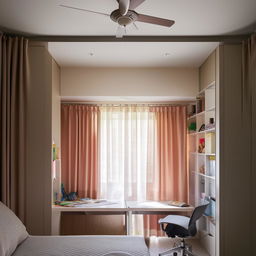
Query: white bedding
[{"x": 82, "y": 246}]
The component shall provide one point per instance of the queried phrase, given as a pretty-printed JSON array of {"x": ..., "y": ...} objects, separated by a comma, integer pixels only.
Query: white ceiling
[
  {"x": 131, "y": 54},
  {"x": 193, "y": 17}
]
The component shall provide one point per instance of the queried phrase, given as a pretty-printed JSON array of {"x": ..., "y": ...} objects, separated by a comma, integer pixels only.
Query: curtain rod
[
  {"x": 221, "y": 38},
  {"x": 128, "y": 104}
]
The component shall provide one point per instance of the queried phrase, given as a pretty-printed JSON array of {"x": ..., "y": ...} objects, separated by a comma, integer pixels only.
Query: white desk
[
  {"x": 123, "y": 208},
  {"x": 108, "y": 209},
  {"x": 151, "y": 207}
]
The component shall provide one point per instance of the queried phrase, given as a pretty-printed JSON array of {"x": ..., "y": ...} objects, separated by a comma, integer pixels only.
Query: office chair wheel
[{"x": 189, "y": 247}]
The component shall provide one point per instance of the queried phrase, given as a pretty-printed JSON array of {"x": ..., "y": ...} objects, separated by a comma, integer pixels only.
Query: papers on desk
[
  {"x": 152, "y": 204},
  {"x": 147, "y": 204},
  {"x": 87, "y": 203},
  {"x": 97, "y": 204}
]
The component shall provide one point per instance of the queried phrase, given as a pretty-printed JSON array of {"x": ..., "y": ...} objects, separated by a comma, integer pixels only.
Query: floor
[{"x": 161, "y": 244}]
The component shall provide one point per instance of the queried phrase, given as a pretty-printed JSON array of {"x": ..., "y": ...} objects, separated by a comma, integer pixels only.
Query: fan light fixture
[{"x": 125, "y": 15}]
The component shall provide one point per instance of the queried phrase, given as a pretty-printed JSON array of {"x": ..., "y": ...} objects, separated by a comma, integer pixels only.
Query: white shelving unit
[{"x": 202, "y": 162}]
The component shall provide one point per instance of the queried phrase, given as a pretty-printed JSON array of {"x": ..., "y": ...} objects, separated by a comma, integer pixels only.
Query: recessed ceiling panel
[{"x": 131, "y": 54}]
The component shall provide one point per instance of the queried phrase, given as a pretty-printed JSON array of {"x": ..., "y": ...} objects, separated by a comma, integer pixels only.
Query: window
[{"x": 126, "y": 135}]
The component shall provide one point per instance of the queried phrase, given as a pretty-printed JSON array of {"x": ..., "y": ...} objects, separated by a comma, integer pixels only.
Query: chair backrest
[{"x": 197, "y": 213}]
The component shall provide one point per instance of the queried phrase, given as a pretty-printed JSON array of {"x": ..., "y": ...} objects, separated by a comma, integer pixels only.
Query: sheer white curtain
[
  {"x": 143, "y": 156},
  {"x": 127, "y": 155},
  {"x": 127, "y": 144}
]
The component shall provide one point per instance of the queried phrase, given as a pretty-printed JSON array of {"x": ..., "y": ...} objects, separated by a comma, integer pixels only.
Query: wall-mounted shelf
[
  {"x": 202, "y": 165},
  {"x": 196, "y": 115},
  {"x": 205, "y": 131},
  {"x": 205, "y": 176},
  {"x": 210, "y": 109},
  {"x": 211, "y": 219},
  {"x": 210, "y": 86}
]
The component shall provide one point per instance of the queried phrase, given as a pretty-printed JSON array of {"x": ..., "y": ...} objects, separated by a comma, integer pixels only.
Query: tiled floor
[{"x": 161, "y": 244}]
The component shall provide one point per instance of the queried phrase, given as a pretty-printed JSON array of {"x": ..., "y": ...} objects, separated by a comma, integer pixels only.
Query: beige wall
[
  {"x": 43, "y": 126},
  {"x": 207, "y": 71},
  {"x": 39, "y": 127},
  {"x": 180, "y": 82}
]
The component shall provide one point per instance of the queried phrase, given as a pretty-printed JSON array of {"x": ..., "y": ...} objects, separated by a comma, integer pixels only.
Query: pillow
[{"x": 12, "y": 231}]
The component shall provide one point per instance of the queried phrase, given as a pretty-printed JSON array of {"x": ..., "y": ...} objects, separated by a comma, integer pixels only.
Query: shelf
[
  {"x": 210, "y": 154},
  {"x": 211, "y": 85},
  {"x": 205, "y": 176},
  {"x": 191, "y": 117},
  {"x": 200, "y": 113},
  {"x": 202, "y": 154},
  {"x": 210, "y": 109},
  {"x": 211, "y": 219},
  {"x": 210, "y": 130},
  {"x": 192, "y": 133},
  {"x": 202, "y": 166},
  {"x": 202, "y": 132}
]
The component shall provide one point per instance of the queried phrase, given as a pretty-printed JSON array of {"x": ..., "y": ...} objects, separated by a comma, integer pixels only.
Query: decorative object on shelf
[
  {"x": 202, "y": 169},
  {"x": 211, "y": 165},
  {"x": 200, "y": 104},
  {"x": 210, "y": 143},
  {"x": 201, "y": 145},
  {"x": 202, "y": 128},
  {"x": 55, "y": 151},
  {"x": 191, "y": 110},
  {"x": 211, "y": 124},
  {"x": 210, "y": 210},
  {"x": 192, "y": 127}
]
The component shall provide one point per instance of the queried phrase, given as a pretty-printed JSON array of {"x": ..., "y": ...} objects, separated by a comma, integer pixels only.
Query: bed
[
  {"x": 82, "y": 245},
  {"x": 15, "y": 241}
]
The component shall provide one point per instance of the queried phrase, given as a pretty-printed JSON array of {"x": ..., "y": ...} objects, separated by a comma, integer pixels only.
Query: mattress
[{"x": 82, "y": 245}]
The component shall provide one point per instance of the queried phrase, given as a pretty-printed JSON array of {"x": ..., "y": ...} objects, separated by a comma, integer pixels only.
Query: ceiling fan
[{"x": 125, "y": 15}]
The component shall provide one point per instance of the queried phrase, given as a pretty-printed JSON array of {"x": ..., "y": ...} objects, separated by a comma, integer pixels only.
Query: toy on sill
[{"x": 201, "y": 146}]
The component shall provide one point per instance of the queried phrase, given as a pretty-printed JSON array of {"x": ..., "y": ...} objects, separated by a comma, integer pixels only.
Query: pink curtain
[
  {"x": 79, "y": 144},
  {"x": 170, "y": 181}
]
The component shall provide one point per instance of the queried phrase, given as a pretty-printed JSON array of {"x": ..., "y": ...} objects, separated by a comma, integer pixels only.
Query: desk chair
[{"x": 182, "y": 227}]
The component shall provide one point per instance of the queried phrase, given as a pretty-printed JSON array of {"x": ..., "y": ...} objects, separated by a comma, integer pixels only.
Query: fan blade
[
  {"x": 84, "y": 10},
  {"x": 135, "y": 3},
  {"x": 135, "y": 26},
  {"x": 124, "y": 6},
  {"x": 155, "y": 20},
  {"x": 121, "y": 31}
]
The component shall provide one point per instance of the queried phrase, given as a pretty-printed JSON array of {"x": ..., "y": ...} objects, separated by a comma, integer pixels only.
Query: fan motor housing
[{"x": 125, "y": 20}]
